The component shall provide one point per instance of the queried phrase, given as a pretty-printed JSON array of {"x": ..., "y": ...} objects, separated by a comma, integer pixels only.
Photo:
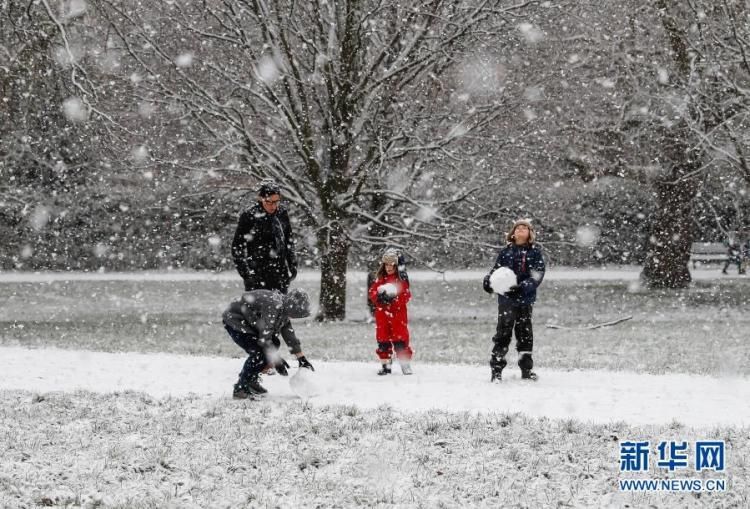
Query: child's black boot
[{"x": 497, "y": 364}]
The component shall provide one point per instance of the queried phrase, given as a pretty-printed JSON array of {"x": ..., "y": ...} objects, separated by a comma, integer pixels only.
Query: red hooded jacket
[{"x": 391, "y": 319}]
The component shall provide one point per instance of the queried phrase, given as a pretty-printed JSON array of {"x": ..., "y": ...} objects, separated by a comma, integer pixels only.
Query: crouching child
[{"x": 253, "y": 321}]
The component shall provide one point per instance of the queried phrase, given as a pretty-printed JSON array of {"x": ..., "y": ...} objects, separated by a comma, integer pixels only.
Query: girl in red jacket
[{"x": 389, "y": 294}]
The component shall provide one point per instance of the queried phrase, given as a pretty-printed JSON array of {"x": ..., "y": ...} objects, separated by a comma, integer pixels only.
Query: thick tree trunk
[
  {"x": 671, "y": 225},
  {"x": 670, "y": 236},
  {"x": 334, "y": 248},
  {"x": 671, "y": 233}
]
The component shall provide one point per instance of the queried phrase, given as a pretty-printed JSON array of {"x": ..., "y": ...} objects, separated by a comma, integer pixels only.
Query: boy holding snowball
[
  {"x": 389, "y": 293},
  {"x": 518, "y": 271}
]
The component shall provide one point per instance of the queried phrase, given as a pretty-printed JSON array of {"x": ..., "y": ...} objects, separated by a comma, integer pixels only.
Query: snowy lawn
[
  {"x": 701, "y": 330},
  {"x": 98, "y": 448},
  {"x": 131, "y": 450}
]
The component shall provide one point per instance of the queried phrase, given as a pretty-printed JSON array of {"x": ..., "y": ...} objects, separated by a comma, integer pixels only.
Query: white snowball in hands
[{"x": 502, "y": 279}]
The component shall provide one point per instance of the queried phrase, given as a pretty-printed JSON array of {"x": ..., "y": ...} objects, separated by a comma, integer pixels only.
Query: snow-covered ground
[
  {"x": 101, "y": 407},
  {"x": 587, "y": 396}
]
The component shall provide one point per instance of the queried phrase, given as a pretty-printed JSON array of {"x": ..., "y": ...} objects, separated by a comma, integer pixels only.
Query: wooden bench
[{"x": 707, "y": 252}]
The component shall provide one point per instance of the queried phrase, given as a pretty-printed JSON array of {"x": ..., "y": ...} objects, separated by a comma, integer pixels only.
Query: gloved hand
[
  {"x": 385, "y": 298},
  {"x": 514, "y": 291},
  {"x": 304, "y": 363},
  {"x": 281, "y": 366},
  {"x": 486, "y": 284},
  {"x": 527, "y": 286}
]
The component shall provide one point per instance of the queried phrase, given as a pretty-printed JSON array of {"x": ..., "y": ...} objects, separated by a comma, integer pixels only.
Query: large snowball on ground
[
  {"x": 389, "y": 289},
  {"x": 502, "y": 279},
  {"x": 303, "y": 384}
]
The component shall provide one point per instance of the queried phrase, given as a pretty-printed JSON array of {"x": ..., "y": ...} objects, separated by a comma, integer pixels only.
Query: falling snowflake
[
  {"x": 184, "y": 59},
  {"x": 75, "y": 110},
  {"x": 587, "y": 236},
  {"x": 530, "y": 33}
]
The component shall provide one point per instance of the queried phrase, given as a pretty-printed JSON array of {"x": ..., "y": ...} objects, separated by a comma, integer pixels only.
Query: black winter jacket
[
  {"x": 263, "y": 248},
  {"x": 260, "y": 314},
  {"x": 527, "y": 263}
]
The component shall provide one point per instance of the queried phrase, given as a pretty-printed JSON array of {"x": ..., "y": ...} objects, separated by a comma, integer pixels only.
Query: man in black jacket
[{"x": 263, "y": 246}]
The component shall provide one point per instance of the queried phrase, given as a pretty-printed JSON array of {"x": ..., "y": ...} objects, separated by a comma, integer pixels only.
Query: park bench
[{"x": 707, "y": 252}]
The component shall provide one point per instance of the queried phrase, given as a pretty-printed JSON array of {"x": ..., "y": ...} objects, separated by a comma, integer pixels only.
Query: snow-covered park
[
  {"x": 116, "y": 392},
  {"x": 158, "y": 158}
]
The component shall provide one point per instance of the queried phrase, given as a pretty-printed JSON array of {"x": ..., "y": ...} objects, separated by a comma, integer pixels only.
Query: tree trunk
[
  {"x": 671, "y": 236},
  {"x": 670, "y": 232},
  {"x": 334, "y": 248}
]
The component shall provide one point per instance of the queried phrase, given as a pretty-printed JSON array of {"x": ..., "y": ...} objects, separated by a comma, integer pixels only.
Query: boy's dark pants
[
  {"x": 256, "y": 359},
  {"x": 510, "y": 317}
]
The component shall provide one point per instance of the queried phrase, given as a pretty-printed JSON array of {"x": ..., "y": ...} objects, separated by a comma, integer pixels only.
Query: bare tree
[
  {"x": 658, "y": 88},
  {"x": 709, "y": 73},
  {"x": 721, "y": 43},
  {"x": 359, "y": 108}
]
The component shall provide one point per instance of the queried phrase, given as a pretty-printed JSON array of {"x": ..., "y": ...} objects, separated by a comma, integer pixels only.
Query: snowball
[
  {"x": 502, "y": 279},
  {"x": 303, "y": 384},
  {"x": 389, "y": 289}
]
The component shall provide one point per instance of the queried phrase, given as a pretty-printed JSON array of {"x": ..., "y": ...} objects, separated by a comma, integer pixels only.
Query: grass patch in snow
[{"x": 130, "y": 450}]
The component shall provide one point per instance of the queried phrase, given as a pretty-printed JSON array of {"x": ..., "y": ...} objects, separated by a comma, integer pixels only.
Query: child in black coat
[{"x": 525, "y": 259}]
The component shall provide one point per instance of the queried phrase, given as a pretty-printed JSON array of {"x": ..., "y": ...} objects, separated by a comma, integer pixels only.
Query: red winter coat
[{"x": 391, "y": 320}]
